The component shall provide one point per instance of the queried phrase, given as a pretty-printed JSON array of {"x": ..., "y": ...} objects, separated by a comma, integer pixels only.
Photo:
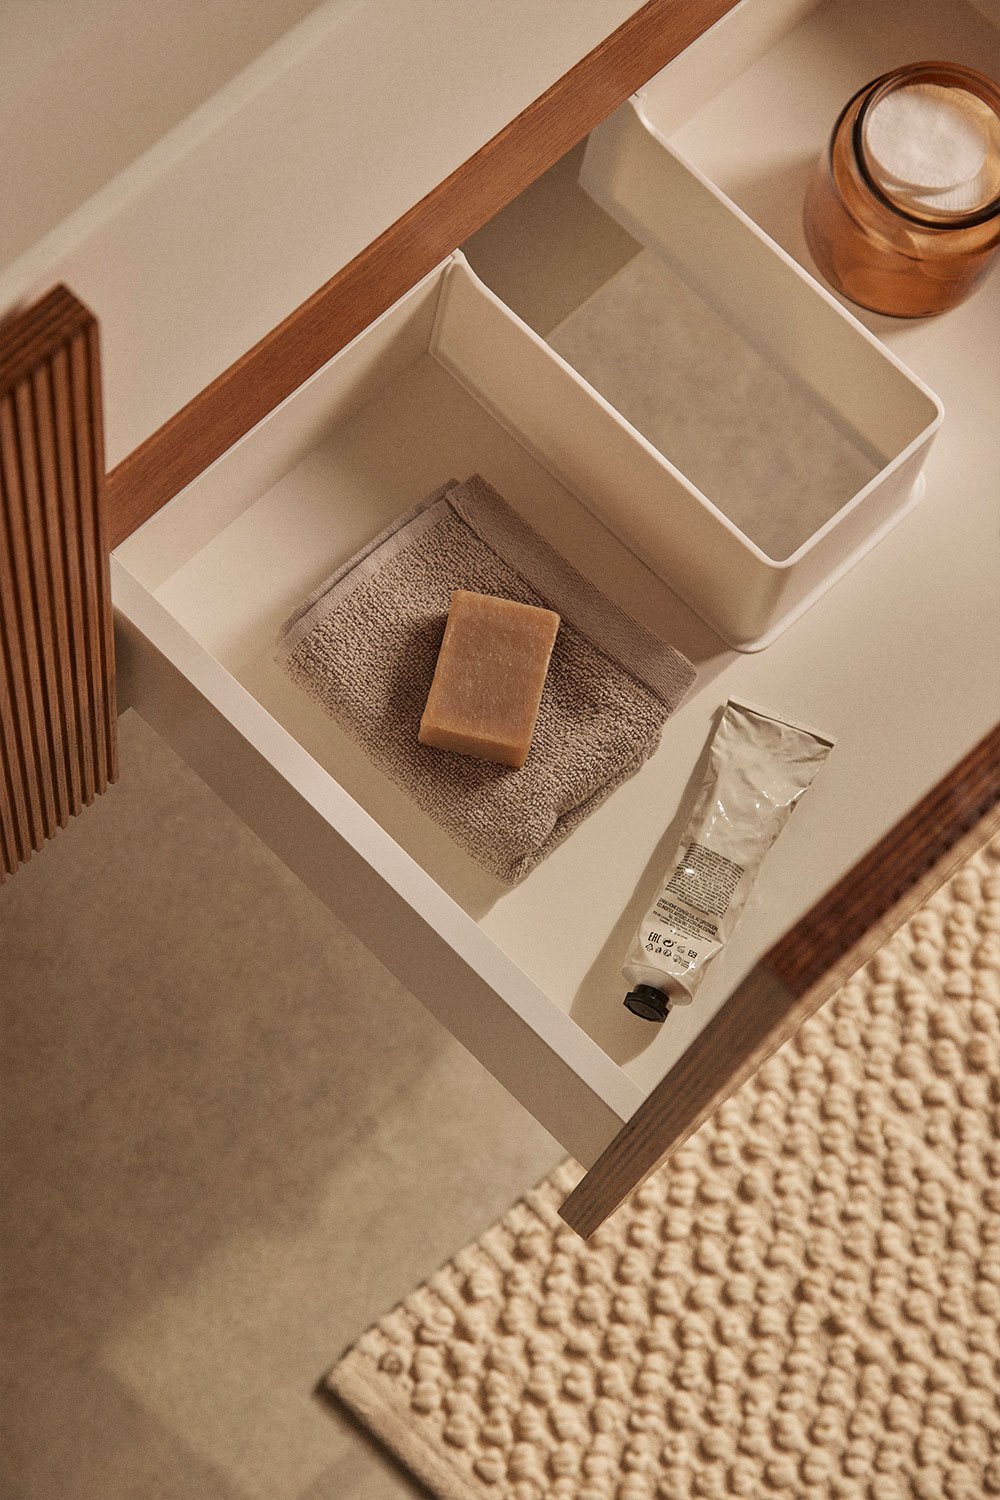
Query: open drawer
[{"x": 453, "y": 380}]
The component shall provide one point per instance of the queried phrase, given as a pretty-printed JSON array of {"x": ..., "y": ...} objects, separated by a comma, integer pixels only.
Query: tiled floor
[{"x": 230, "y": 1141}]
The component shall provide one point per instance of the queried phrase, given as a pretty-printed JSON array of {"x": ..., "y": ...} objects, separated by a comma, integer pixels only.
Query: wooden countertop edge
[
  {"x": 803, "y": 969},
  {"x": 243, "y": 394}
]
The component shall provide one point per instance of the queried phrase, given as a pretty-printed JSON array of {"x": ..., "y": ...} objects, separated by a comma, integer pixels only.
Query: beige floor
[{"x": 230, "y": 1141}]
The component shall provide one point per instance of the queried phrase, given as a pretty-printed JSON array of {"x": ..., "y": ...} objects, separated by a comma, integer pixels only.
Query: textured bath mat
[{"x": 804, "y": 1304}]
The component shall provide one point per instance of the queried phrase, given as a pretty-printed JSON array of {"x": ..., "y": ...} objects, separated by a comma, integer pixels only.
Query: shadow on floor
[{"x": 231, "y": 1140}]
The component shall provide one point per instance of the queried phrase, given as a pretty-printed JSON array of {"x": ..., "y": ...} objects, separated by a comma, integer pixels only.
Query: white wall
[{"x": 87, "y": 85}]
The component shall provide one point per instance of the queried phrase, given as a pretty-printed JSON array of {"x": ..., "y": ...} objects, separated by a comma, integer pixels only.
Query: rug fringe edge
[{"x": 353, "y": 1382}]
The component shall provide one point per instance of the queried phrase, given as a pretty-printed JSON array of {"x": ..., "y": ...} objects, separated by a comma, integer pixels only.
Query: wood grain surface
[
  {"x": 58, "y": 721},
  {"x": 797, "y": 975},
  {"x": 242, "y": 395}
]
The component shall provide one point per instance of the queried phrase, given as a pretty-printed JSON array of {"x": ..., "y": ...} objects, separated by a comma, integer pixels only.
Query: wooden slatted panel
[
  {"x": 58, "y": 720},
  {"x": 796, "y": 976}
]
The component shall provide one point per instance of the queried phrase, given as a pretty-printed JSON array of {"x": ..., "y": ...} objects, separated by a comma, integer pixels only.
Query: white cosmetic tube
[{"x": 759, "y": 767}]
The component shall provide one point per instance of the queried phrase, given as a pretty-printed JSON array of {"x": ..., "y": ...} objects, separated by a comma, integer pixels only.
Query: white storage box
[{"x": 847, "y": 387}]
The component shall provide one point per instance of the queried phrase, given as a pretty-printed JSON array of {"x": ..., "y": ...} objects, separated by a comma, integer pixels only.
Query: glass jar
[{"x": 893, "y": 227}]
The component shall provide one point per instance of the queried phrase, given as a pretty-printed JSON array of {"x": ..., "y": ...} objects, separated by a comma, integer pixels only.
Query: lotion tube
[{"x": 759, "y": 767}]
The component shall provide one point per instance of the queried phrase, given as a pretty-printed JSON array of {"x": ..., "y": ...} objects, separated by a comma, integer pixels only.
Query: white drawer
[
  {"x": 448, "y": 382},
  {"x": 201, "y": 590}
]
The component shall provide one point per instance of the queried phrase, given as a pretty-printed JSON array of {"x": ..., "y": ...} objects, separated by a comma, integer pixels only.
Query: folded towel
[{"x": 364, "y": 645}]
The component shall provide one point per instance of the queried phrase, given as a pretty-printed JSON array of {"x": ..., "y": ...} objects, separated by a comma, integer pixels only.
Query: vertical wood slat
[
  {"x": 58, "y": 720},
  {"x": 25, "y": 768},
  {"x": 55, "y": 551},
  {"x": 65, "y": 448}
]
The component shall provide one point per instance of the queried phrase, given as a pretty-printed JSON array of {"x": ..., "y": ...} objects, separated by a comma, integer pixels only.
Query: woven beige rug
[{"x": 805, "y": 1303}]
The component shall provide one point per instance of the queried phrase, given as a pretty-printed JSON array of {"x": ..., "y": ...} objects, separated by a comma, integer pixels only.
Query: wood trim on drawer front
[
  {"x": 58, "y": 721},
  {"x": 803, "y": 969},
  {"x": 242, "y": 395}
]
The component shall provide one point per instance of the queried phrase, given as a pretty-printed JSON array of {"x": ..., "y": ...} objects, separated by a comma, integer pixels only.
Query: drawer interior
[{"x": 237, "y": 551}]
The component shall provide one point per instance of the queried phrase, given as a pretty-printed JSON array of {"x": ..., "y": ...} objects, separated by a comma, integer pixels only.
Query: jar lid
[{"x": 931, "y": 141}]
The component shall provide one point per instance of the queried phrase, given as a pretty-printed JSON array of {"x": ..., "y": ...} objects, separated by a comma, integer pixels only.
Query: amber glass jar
[{"x": 899, "y": 246}]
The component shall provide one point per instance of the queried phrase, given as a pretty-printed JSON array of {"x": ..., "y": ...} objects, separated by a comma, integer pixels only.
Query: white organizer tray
[{"x": 797, "y": 328}]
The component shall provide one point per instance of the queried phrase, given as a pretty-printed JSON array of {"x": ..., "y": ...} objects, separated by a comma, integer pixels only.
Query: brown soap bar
[{"x": 489, "y": 678}]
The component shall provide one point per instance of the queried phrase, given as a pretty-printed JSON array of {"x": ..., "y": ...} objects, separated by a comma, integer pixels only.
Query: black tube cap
[{"x": 648, "y": 1002}]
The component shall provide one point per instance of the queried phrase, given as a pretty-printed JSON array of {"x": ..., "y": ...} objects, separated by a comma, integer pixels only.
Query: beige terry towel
[{"x": 364, "y": 645}]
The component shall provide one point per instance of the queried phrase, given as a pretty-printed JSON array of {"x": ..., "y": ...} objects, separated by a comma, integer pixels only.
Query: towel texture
[{"x": 364, "y": 645}]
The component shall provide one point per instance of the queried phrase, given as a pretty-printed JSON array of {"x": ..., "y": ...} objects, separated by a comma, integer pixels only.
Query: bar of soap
[{"x": 489, "y": 677}]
